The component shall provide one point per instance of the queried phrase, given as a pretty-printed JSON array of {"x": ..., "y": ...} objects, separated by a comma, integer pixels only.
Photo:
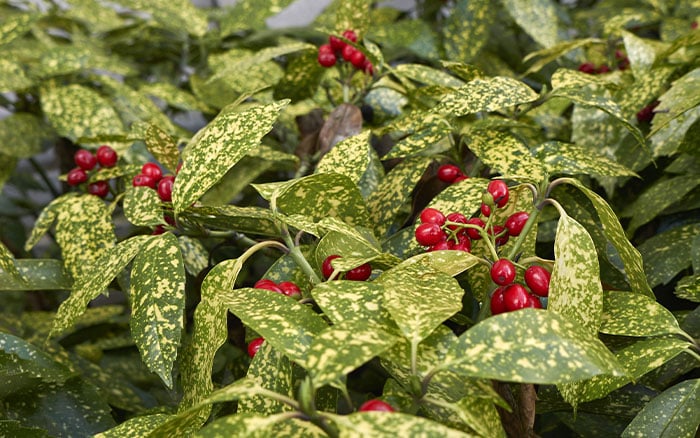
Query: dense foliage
[{"x": 469, "y": 218}]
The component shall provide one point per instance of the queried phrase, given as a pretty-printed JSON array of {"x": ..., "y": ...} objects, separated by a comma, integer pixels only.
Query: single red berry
[
  {"x": 429, "y": 234},
  {"x": 473, "y": 233},
  {"x": 498, "y": 230},
  {"x": 85, "y": 159},
  {"x": 624, "y": 64},
  {"x": 448, "y": 173},
  {"x": 336, "y": 43},
  {"x": 165, "y": 188},
  {"x": 290, "y": 289},
  {"x": 587, "y": 67},
  {"x": 254, "y": 346},
  {"x": 499, "y": 190},
  {"x": 348, "y": 52},
  {"x": 325, "y": 48},
  {"x": 537, "y": 279},
  {"x": 646, "y": 114},
  {"x": 179, "y": 166},
  {"x": 266, "y": 284},
  {"x": 358, "y": 59},
  {"x": 516, "y": 222},
  {"x": 457, "y": 218},
  {"x": 432, "y": 216},
  {"x": 106, "y": 156},
  {"x": 99, "y": 188},
  {"x": 368, "y": 67},
  {"x": 603, "y": 69},
  {"x": 375, "y": 405},
  {"x": 360, "y": 273},
  {"x": 485, "y": 210},
  {"x": 440, "y": 246},
  {"x": 497, "y": 303},
  {"x": 326, "y": 60},
  {"x": 159, "y": 229},
  {"x": 515, "y": 297},
  {"x": 503, "y": 272},
  {"x": 533, "y": 302},
  {"x": 460, "y": 178},
  {"x": 463, "y": 243},
  {"x": 169, "y": 219},
  {"x": 142, "y": 180},
  {"x": 326, "y": 267},
  {"x": 350, "y": 34},
  {"x": 152, "y": 170},
  {"x": 76, "y": 176}
]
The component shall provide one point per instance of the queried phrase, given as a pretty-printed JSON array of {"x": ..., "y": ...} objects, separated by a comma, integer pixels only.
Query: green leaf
[
  {"x": 94, "y": 280},
  {"x": 418, "y": 309},
  {"x": 12, "y": 77},
  {"x": 261, "y": 426},
  {"x": 142, "y": 207},
  {"x": 217, "y": 147},
  {"x": 75, "y": 111},
  {"x": 464, "y": 197},
  {"x": 450, "y": 262},
  {"x": 302, "y": 77},
  {"x": 180, "y": 16},
  {"x": 530, "y": 346},
  {"x": 194, "y": 254},
  {"x": 36, "y": 274},
  {"x": 21, "y": 134},
  {"x": 352, "y": 14},
  {"x": 673, "y": 413},
  {"x": 231, "y": 65},
  {"x": 271, "y": 370},
  {"x": 391, "y": 424},
  {"x": 575, "y": 291},
  {"x": 653, "y": 201},
  {"x": 688, "y": 288},
  {"x": 490, "y": 95},
  {"x": 561, "y": 158},
  {"x": 15, "y": 26},
  {"x": 343, "y": 347},
  {"x": 668, "y": 253},
  {"x": 253, "y": 220},
  {"x": 349, "y": 157},
  {"x": 175, "y": 97},
  {"x": 427, "y": 75},
  {"x": 136, "y": 426},
  {"x": 680, "y": 98},
  {"x": 163, "y": 147},
  {"x": 424, "y": 135},
  {"x": 158, "y": 303},
  {"x": 70, "y": 59},
  {"x": 669, "y": 139},
  {"x": 467, "y": 29},
  {"x": 250, "y": 14},
  {"x": 628, "y": 314},
  {"x": 539, "y": 19},
  {"x": 7, "y": 264},
  {"x": 631, "y": 258},
  {"x": 640, "y": 52},
  {"x": 507, "y": 155},
  {"x": 18, "y": 357},
  {"x": 551, "y": 53},
  {"x": 346, "y": 300},
  {"x": 14, "y": 428}
]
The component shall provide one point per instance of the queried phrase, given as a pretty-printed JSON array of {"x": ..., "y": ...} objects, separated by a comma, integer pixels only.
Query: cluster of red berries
[
  {"x": 438, "y": 231},
  {"x": 360, "y": 273},
  {"x": 450, "y": 174},
  {"x": 152, "y": 176},
  {"x": 510, "y": 296},
  {"x": 87, "y": 161},
  {"x": 337, "y": 48},
  {"x": 623, "y": 63},
  {"x": 287, "y": 288}
]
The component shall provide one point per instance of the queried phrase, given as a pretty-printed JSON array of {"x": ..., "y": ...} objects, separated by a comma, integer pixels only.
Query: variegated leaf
[
  {"x": 194, "y": 254},
  {"x": 507, "y": 155},
  {"x": 21, "y": 134},
  {"x": 680, "y": 98},
  {"x": 158, "y": 303},
  {"x": 175, "y": 97},
  {"x": 69, "y": 59},
  {"x": 344, "y": 300},
  {"x": 630, "y": 256},
  {"x": 688, "y": 288},
  {"x": 668, "y": 253},
  {"x": 242, "y": 62},
  {"x": 669, "y": 139},
  {"x": 250, "y": 14},
  {"x": 7, "y": 264},
  {"x": 289, "y": 326},
  {"x": 349, "y": 157},
  {"x": 352, "y": 14},
  {"x": 467, "y": 29},
  {"x": 136, "y": 426},
  {"x": 163, "y": 147},
  {"x": 641, "y": 53},
  {"x": 391, "y": 424},
  {"x": 271, "y": 370},
  {"x": 657, "y": 198},
  {"x": 36, "y": 274},
  {"x": 179, "y": 16},
  {"x": 629, "y": 314},
  {"x": 7, "y": 168},
  {"x": 575, "y": 290},
  {"x": 549, "y": 54},
  {"x": 539, "y": 19},
  {"x": 21, "y": 357},
  {"x": 217, "y": 147},
  {"x": 261, "y": 426},
  {"x": 531, "y": 346},
  {"x": 302, "y": 76},
  {"x": 432, "y": 298},
  {"x": 15, "y": 26},
  {"x": 489, "y": 95},
  {"x": 673, "y": 413},
  {"x": 76, "y": 111},
  {"x": 427, "y": 75},
  {"x": 477, "y": 414},
  {"x": 253, "y": 220},
  {"x": 12, "y": 77},
  {"x": 561, "y": 158},
  {"x": 142, "y": 207},
  {"x": 449, "y": 262},
  {"x": 343, "y": 347},
  {"x": 424, "y": 137},
  {"x": 94, "y": 280},
  {"x": 463, "y": 197}
]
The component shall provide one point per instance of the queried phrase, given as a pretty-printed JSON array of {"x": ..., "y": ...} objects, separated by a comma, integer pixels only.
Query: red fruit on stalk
[
  {"x": 360, "y": 273},
  {"x": 106, "y": 156},
  {"x": 326, "y": 267},
  {"x": 516, "y": 222},
  {"x": 290, "y": 289},
  {"x": 432, "y": 216},
  {"x": 375, "y": 405},
  {"x": 503, "y": 272},
  {"x": 473, "y": 233},
  {"x": 429, "y": 234},
  {"x": 348, "y": 52},
  {"x": 448, "y": 173},
  {"x": 76, "y": 176},
  {"x": 165, "y": 188},
  {"x": 326, "y": 59},
  {"x": 254, "y": 346},
  {"x": 99, "y": 188},
  {"x": 537, "y": 279},
  {"x": 358, "y": 59},
  {"x": 266, "y": 284},
  {"x": 152, "y": 170},
  {"x": 499, "y": 190},
  {"x": 85, "y": 159},
  {"x": 142, "y": 180},
  {"x": 587, "y": 67},
  {"x": 336, "y": 43},
  {"x": 350, "y": 34},
  {"x": 457, "y": 218},
  {"x": 515, "y": 297},
  {"x": 497, "y": 303}
]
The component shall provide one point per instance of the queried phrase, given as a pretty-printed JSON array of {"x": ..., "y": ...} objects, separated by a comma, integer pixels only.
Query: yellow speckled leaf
[
  {"x": 390, "y": 425},
  {"x": 7, "y": 263},
  {"x": 271, "y": 370},
  {"x": 16, "y": 26},
  {"x": 538, "y": 18},
  {"x": 142, "y": 207},
  {"x": 180, "y": 16},
  {"x": 490, "y": 94},
  {"x": 507, "y": 155},
  {"x": 467, "y": 29},
  {"x": 630, "y": 314},
  {"x": 349, "y": 157},
  {"x": 21, "y": 134},
  {"x": 250, "y": 425},
  {"x": 136, "y": 426},
  {"x": 163, "y": 147},
  {"x": 12, "y": 77}
]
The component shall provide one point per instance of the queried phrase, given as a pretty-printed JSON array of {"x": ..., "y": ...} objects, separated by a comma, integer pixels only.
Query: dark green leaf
[
  {"x": 538, "y": 18},
  {"x": 467, "y": 29},
  {"x": 38, "y": 274},
  {"x": 628, "y": 314},
  {"x": 668, "y": 253},
  {"x": 254, "y": 220},
  {"x": 390, "y": 425},
  {"x": 571, "y": 159},
  {"x": 19, "y": 358}
]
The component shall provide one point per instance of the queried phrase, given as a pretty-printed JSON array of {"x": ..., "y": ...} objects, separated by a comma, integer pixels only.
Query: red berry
[
  {"x": 142, "y": 180},
  {"x": 266, "y": 284},
  {"x": 326, "y": 267},
  {"x": 429, "y": 234},
  {"x": 325, "y": 48},
  {"x": 85, "y": 159},
  {"x": 471, "y": 232},
  {"x": 350, "y": 34},
  {"x": 515, "y": 297},
  {"x": 694, "y": 25},
  {"x": 348, "y": 52},
  {"x": 152, "y": 170},
  {"x": 99, "y": 188},
  {"x": 165, "y": 188},
  {"x": 361, "y": 273},
  {"x": 498, "y": 230},
  {"x": 179, "y": 166},
  {"x": 497, "y": 303},
  {"x": 485, "y": 210},
  {"x": 463, "y": 243},
  {"x": 432, "y": 216},
  {"x": 336, "y": 43},
  {"x": 368, "y": 68},
  {"x": 503, "y": 272},
  {"x": 106, "y": 156},
  {"x": 499, "y": 190},
  {"x": 448, "y": 173},
  {"x": 533, "y": 302},
  {"x": 440, "y": 246},
  {"x": 254, "y": 346},
  {"x": 456, "y": 217},
  {"x": 358, "y": 60},
  {"x": 290, "y": 289},
  {"x": 537, "y": 279},
  {"x": 76, "y": 176},
  {"x": 460, "y": 178},
  {"x": 646, "y": 114},
  {"x": 375, "y": 405},
  {"x": 159, "y": 229},
  {"x": 326, "y": 60},
  {"x": 169, "y": 219},
  {"x": 587, "y": 67},
  {"x": 603, "y": 69},
  {"x": 516, "y": 222}
]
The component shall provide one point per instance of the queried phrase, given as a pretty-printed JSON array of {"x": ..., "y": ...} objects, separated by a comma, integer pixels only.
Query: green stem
[
  {"x": 298, "y": 257},
  {"x": 414, "y": 356},
  {"x": 531, "y": 221},
  {"x": 428, "y": 377},
  {"x": 249, "y": 252},
  {"x": 280, "y": 398}
]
